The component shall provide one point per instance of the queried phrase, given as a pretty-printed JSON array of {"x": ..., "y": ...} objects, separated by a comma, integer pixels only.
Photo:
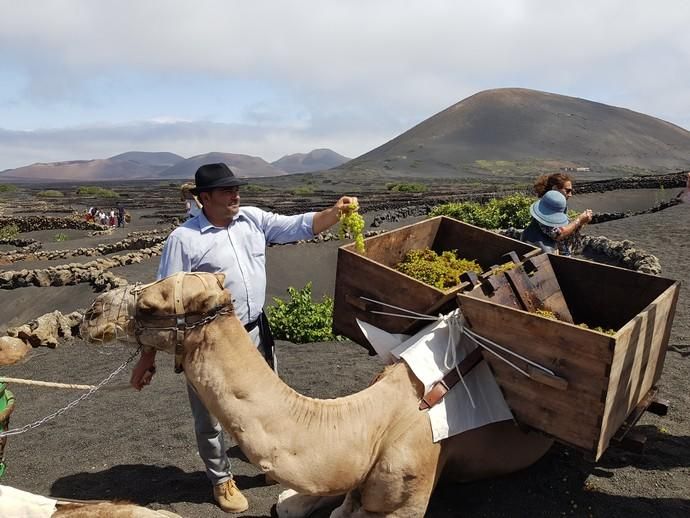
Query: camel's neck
[{"x": 278, "y": 429}]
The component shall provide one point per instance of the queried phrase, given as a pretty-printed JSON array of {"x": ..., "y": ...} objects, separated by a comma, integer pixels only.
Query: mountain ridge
[
  {"x": 533, "y": 130},
  {"x": 503, "y": 132}
]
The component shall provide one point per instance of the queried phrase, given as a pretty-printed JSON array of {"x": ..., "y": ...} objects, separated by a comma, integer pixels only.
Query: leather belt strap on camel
[
  {"x": 181, "y": 323},
  {"x": 441, "y": 387}
]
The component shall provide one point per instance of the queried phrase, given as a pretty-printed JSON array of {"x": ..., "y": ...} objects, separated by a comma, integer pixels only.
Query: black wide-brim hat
[{"x": 212, "y": 176}]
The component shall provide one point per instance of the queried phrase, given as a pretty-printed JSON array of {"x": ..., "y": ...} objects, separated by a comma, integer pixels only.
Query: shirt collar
[{"x": 205, "y": 225}]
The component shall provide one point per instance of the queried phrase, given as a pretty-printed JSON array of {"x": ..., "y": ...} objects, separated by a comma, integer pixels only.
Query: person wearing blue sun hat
[{"x": 550, "y": 224}]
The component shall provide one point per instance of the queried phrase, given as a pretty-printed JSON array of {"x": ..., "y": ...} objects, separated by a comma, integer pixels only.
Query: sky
[{"x": 84, "y": 79}]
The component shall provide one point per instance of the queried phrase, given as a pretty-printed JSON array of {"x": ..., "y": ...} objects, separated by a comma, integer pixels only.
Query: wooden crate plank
[
  {"x": 471, "y": 242},
  {"x": 416, "y": 296},
  {"x": 534, "y": 335},
  {"x": 627, "y": 292},
  {"x": 546, "y": 419},
  {"x": 667, "y": 331},
  {"x": 389, "y": 249},
  {"x": 498, "y": 290},
  {"x": 545, "y": 284},
  {"x": 523, "y": 289},
  {"x": 582, "y": 384},
  {"x": 372, "y": 275},
  {"x": 638, "y": 360},
  {"x": 569, "y": 402}
]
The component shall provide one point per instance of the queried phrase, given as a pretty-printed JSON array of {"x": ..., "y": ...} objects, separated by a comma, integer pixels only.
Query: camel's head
[{"x": 152, "y": 314}]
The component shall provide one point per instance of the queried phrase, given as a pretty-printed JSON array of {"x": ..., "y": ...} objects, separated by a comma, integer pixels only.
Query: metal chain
[
  {"x": 72, "y": 404},
  {"x": 198, "y": 323}
]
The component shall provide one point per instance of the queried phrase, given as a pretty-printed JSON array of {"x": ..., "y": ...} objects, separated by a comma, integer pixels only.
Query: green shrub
[
  {"x": 406, "y": 187},
  {"x": 300, "y": 319},
  {"x": 9, "y": 231},
  {"x": 511, "y": 211},
  {"x": 98, "y": 192},
  {"x": 7, "y": 187},
  {"x": 60, "y": 237},
  {"x": 50, "y": 194},
  {"x": 303, "y": 191},
  {"x": 252, "y": 187}
]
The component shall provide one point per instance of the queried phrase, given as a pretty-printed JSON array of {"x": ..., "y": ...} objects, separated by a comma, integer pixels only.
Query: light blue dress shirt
[{"x": 238, "y": 251}]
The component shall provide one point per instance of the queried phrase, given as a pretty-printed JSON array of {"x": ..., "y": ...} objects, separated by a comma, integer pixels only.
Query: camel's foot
[
  {"x": 352, "y": 508},
  {"x": 292, "y": 504}
]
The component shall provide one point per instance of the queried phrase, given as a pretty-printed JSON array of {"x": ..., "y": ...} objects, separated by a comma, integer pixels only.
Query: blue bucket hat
[{"x": 550, "y": 209}]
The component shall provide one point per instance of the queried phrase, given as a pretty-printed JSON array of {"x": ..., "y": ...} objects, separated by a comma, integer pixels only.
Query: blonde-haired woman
[{"x": 192, "y": 203}]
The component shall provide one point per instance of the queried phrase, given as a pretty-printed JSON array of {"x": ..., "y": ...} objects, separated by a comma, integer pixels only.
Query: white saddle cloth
[
  {"x": 21, "y": 504},
  {"x": 430, "y": 357}
]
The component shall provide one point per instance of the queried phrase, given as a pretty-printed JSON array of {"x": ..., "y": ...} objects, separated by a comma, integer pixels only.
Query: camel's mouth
[{"x": 107, "y": 319}]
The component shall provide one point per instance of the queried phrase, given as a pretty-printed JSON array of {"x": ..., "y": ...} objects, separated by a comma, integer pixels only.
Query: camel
[
  {"x": 15, "y": 502},
  {"x": 372, "y": 449},
  {"x": 108, "y": 510}
]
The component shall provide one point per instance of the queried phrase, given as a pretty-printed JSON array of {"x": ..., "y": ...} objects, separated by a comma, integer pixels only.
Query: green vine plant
[
  {"x": 10, "y": 231},
  {"x": 510, "y": 211},
  {"x": 300, "y": 319}
]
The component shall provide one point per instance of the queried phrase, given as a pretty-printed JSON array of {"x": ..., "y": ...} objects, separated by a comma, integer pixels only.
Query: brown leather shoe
[{"x": 229, "y": 497}]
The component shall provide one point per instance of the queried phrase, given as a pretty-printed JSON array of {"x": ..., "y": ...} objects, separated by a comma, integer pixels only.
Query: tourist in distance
[{"x": 192, "y": 204}]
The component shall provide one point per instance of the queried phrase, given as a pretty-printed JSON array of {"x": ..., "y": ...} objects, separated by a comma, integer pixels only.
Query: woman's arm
[{"x": 574, "y": 225}]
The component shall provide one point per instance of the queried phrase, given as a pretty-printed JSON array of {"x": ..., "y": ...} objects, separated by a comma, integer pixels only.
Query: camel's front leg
[
  {"x": 292, "y": 504},
  {"x": 399, "y": 485}
]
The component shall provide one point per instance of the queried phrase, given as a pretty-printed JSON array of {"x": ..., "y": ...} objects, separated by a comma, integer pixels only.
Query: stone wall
[
  {"x": 93, "y": 272},
  {"x": 33, "y": 223},
  {"x": 133, "y": 241},
  {"x": 623, "y": 253}
]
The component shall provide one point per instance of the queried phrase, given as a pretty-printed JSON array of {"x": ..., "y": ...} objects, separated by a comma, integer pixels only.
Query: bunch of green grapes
[
  {"x": 441, "y": 271},
  {"x": 352, "y": 223},
  {"x": 600, "y": 329},
  {"x": 554, "y": 316}
]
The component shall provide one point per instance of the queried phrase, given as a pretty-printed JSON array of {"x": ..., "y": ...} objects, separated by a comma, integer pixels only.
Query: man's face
[{"x": 222, "y": 203}]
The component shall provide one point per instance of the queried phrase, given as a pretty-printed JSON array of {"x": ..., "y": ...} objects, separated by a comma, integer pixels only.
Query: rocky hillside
[
  {"x": 241, "y": 165},
  {"x": 316, "y": 160},
  {"x": 517, "y": 132}
]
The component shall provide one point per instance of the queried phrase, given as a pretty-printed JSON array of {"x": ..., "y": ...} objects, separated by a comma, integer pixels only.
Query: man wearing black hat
[{"x": 225, "y": 238}]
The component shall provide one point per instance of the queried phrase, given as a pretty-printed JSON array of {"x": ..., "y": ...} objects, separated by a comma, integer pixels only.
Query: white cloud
[{"x": 384, "y": 63}]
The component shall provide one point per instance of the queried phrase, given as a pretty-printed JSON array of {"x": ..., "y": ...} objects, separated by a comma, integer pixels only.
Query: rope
[
  {"x": 71, "y": 404},
  {"x": 456, "y": 326},
  {"x": 480, "y": 341},
  {"x": 51, "y": 384}
]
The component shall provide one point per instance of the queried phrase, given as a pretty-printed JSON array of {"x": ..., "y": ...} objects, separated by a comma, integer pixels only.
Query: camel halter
[{"x": 179, "y": 321}]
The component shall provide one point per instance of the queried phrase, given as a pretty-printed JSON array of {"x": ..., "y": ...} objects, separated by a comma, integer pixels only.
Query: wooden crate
[
  {"x": 372, "y": 275},
  {"x": 608, "y": 377}
]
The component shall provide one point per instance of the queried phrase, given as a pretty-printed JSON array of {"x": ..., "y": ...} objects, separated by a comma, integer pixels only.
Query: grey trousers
[{"x": 209, "y": 433}]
